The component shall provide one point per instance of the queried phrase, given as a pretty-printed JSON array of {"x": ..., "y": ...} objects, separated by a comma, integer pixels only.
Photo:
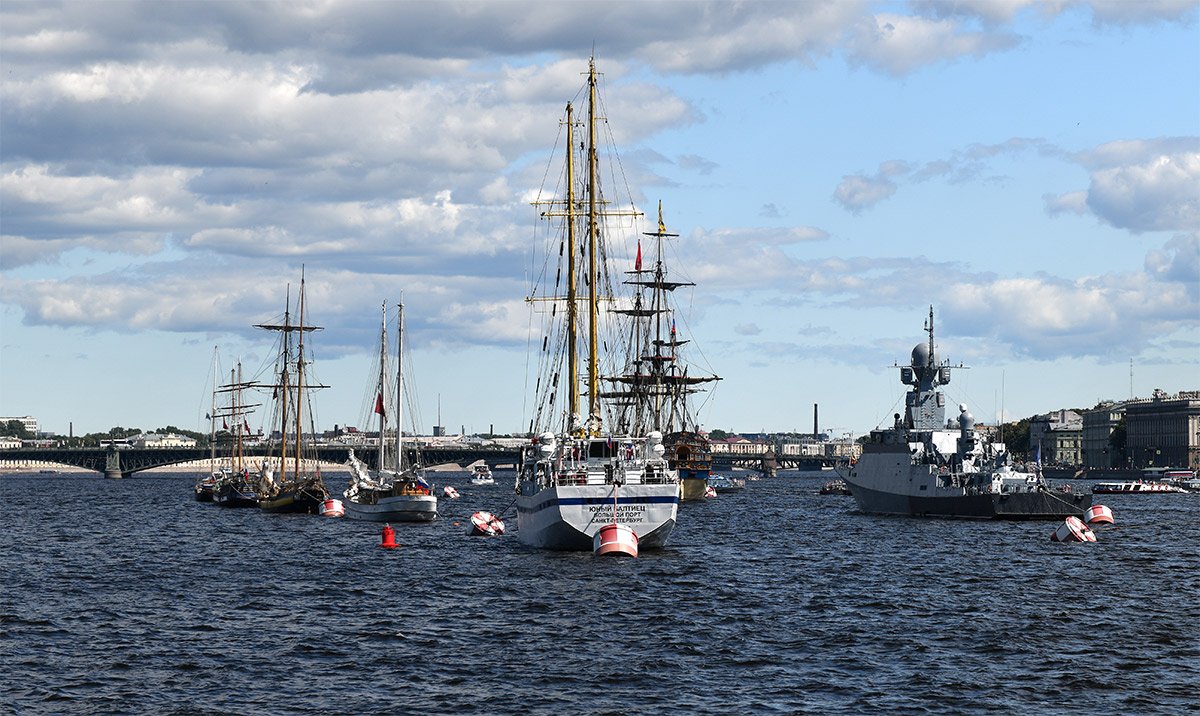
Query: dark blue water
[{"x": 127, "y": 596}]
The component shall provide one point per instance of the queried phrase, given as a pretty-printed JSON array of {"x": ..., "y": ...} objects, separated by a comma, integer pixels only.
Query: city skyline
[{"x": 1030, "y": 170}]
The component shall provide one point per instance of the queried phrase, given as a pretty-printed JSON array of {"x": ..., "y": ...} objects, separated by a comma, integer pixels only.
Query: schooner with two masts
[
  {"x": 395, "y": 492},
  {"x": 292, "y": 482}
]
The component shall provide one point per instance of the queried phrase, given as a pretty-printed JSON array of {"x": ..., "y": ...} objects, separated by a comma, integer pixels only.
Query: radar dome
[{"x": 920, "y": 355}]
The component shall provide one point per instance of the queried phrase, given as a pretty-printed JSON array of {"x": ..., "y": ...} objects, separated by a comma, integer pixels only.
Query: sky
[{"x": 1031, "y": 170}]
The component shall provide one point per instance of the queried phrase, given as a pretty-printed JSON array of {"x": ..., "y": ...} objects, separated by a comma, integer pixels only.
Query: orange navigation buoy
[
  {"x": 389, "y": 538},
  {"x": 1098, "y": 514},
  {"x": 615, "y": 539},
  {"x": 1073, "y": 530}
]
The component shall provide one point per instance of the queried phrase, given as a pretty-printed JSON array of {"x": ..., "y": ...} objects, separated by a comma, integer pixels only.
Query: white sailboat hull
[
  {"x": 398, "y": 508},
  {"x": 567, "y": 517}
]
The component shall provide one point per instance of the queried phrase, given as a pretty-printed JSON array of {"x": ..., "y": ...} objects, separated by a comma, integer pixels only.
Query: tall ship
[
  {"x": 654, "y": 392},
  {"x": 396, "y": 491},
  {"x": 235, "y": 485},
  {"x": 587, "y": 467},
  {"x": 206, "y": 482},
  {"x": 924, "y": 466},
  {"x": 290, "y": 481}
]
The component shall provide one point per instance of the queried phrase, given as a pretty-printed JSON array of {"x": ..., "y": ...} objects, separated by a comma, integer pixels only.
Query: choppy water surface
[{"x": 127, "y": 596}]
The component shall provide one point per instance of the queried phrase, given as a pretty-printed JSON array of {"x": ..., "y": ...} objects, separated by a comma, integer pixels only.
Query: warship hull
[{"x": 1039, "y": 505}]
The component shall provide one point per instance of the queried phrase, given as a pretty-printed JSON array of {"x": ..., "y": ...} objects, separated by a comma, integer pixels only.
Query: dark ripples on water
[{"x": 127, "y": 596}]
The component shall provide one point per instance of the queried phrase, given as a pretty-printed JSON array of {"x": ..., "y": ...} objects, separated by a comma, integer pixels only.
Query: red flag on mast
[
  {"x": 637, "y": 262},
  {"x": 379, "y": 404}
]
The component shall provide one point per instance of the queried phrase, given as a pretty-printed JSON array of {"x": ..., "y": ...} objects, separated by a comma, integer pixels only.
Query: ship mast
[
  {"x": 380, "y": 403},
  {"x": 284, "y": 387},
  {"x": 399, "y": 387},
  {"x": 300, "y": 377},
  {"x": 593, "y": 426},
  {"x": 572, "y": 308}
]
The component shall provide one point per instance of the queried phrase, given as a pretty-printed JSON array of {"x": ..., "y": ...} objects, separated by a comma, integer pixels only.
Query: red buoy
[
  {"x": 332, "y": 508},
  {"x": 1073, "y": 530},
  {"x": 1098, "y": 514},
  {"x": 615, "y": 539},
  {"x": 389, "y": 538},
  {"x": 486, "y": 524}
]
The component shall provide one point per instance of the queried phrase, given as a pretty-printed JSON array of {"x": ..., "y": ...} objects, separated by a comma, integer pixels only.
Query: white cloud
[
  {"x": 1074, "y": 202},
  {"x": 1150, "y": 190},
  {"x": 899, "y": 44}
]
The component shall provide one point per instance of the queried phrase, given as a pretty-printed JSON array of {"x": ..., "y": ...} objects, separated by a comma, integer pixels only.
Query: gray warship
[{"x": 924, "y": 466}]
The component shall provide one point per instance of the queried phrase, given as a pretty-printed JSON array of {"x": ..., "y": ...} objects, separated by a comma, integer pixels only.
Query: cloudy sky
[{"x": 1030, "y": 169}]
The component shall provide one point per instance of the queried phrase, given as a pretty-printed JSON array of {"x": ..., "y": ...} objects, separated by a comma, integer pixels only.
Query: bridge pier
[{"x": 112, "y": 464}]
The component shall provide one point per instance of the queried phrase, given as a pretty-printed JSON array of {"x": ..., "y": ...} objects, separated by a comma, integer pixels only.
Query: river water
[{"x": 127, "y": 596}]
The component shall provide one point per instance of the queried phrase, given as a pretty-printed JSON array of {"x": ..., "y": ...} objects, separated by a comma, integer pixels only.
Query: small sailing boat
[
  {"x": 292, "y": 481},
  {"x": 394, "y": 492},
  {"x": 206, "y": 482},
  {"x": 584, "y": 473}
]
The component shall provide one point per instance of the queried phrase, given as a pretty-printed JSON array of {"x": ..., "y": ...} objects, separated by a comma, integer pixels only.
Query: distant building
[
  {"x": 1164, "y": 431},
  {"x": 30, "y": 423},
  {"x": 7, "y": 443},
  {"x": 156, "y": 441},
  {"x": 1098, "y": 426},
  {"x": 737, "y": 445},
  {"x": 1060, "y": 436}
]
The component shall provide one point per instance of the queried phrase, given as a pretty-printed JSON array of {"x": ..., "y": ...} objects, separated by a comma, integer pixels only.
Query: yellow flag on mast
[{"x": 662, "y": 228}]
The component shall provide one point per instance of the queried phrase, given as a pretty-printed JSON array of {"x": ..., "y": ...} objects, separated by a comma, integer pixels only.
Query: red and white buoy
[
  {"x": 1073, "y": 530},
  {"x": 1098, "y": 515},
  {"x": 486, "y": 524},
  {"x": 332, "y": 508},
  {"x": 615, "y": 539},
  {"x": 389, "y": 538},
  {"x": 449, "y": 491},
  {"x": 710, "y": 491}
]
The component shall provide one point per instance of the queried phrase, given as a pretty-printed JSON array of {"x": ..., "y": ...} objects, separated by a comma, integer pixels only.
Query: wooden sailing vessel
[
  {"x": 656, "y": 387},
  {"x": 586, "y": 471},
  {"x": 291, "y": 482},
  {"x": 236, "y": 486},
  {"x": 396, "y": 492},
  {"x": 206, "y": 482}
]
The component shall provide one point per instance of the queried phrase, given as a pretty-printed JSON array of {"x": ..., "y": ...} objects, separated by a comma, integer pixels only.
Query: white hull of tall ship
[
  {"x": 398, "y": 508},
  {"x": 565, "y": 497}
]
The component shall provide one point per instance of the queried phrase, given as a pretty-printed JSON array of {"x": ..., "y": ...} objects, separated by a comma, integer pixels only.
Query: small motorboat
[
  {"x": 482, "y": 475},
  {"x": 835, "y": 487},
  {"x": 721, "y": 483}
]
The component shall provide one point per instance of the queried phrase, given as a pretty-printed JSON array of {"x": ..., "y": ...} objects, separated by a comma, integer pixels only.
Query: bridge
[
  {"x": 769, "y": 463},
  {"x": 123, "y": 462}
]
